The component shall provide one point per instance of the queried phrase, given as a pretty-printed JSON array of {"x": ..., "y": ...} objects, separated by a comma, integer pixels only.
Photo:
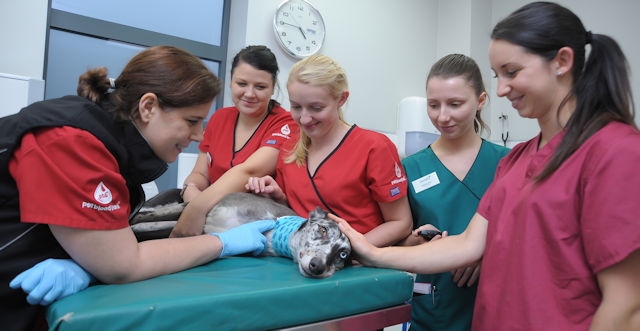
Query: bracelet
[{"x": 184, "y": 188}]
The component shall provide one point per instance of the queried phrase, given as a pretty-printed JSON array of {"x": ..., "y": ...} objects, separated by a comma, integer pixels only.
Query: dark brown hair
[
  {"x": 175, "y": 76},
  {"x": 601, "y": 84}
]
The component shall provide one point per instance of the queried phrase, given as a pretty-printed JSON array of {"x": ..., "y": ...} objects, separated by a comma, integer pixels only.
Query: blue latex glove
[
  {"x": 50, "y": 280},
  {"x": 245, "y": 238}
]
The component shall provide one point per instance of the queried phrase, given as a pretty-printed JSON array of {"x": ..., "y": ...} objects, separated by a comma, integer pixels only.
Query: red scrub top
[
  {"x": 67, "y": 177},
  {"x": 546, "y": 241},
  {"x": 362, "y": 171},
  {"x": 218, "y": 141}
]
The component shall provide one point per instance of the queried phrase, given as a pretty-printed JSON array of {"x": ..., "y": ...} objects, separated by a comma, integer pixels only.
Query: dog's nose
[{"x": 316, "y": 266}]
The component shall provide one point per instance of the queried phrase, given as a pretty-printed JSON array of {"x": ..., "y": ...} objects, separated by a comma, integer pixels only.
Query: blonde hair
[{"x": 316, "y": 70}]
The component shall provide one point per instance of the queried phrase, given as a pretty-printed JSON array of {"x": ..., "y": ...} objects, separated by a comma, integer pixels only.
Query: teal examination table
[{"x": 242, "y": 293}]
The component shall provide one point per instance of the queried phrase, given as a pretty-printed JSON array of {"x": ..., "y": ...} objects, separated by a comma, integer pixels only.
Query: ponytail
[{"x": 603, "y": 94}]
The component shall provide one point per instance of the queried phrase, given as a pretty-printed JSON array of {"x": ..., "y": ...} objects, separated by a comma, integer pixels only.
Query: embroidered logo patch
[
  {"x": 394, "y": 191},
  {"x": 102, "y": 194},
  {"x": 399, "y": 177},
  {"x": 270, "y": 142},
  {"x": 285, "y": 130}
]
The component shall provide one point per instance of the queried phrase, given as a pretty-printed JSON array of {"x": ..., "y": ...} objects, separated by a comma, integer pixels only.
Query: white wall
[
  {"x": 616, "y": 18},
  {"x": 23, "y": 25},
  {"x": 386, "y": 49},
  {"x": 464, "y": 26}
]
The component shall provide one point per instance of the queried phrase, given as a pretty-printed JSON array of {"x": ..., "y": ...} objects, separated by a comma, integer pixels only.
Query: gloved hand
[
  {"x": 245, "y": 238},
  {"x": 52, "y": 279}
]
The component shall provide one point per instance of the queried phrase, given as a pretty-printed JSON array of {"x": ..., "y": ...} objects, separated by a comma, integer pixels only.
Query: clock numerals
[{"x": 299, "y": 28}]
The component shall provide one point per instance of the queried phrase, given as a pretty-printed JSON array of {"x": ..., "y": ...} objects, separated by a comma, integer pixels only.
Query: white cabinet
[{"x": 17, "y": 92}]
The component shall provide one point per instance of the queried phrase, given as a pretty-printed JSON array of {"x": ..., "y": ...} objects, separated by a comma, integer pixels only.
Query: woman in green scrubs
[{"x": 446, "y": 181}]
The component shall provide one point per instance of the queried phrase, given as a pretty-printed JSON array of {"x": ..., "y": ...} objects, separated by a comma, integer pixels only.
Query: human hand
[
  {"x": 189, "y": 192},
  {"x": 265, "y": 186},
  {"x": 245, "y": 238},
  {"x": 466, "y": 275},
  {"x": 418, "y": 238},
  {"x": 51, "y": 280},
  {"x": 187, "y": 226},
  {"x": 191, "y": 221},
  {"x": 362, "y": 248}
]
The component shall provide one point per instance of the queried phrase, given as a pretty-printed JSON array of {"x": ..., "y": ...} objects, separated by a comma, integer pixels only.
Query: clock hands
[
  {"x": 295, "y": 26},
  {"x": 299, "y": 28},
  {"x": 303, "y": 35}
]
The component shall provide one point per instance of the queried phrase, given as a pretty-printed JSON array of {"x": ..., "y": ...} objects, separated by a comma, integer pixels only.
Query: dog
[{"x": 316, "y": 243}]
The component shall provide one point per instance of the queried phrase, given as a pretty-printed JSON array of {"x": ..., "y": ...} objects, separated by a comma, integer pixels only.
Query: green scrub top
[{"x": 438, "y": 197}]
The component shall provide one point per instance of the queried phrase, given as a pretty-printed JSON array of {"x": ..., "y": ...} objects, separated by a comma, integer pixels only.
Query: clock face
[{"x": 299, "y": 28}]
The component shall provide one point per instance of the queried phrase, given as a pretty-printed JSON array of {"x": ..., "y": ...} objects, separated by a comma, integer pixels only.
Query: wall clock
[{"x": 299, "y": 28}]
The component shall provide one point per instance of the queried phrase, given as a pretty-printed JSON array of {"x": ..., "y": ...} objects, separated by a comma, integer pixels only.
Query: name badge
[{"x": 425, "y": 182}]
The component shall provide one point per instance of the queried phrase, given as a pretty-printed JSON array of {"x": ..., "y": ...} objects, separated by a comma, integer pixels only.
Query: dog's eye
[
  {"x": 322, "y": 230},
  {"x": 344, "y": 254}
]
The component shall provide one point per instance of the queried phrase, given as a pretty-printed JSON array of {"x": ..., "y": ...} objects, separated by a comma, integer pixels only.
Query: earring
[{"x": 559, "y": 73}]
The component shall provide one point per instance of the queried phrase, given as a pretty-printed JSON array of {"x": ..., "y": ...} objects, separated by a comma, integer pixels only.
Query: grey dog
[{"x": 315, "y": 243}]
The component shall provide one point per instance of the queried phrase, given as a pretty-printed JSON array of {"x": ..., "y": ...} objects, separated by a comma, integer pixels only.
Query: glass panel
[
  {"x": 198, "y": 20},
  {"x": 71, "y": 54}
]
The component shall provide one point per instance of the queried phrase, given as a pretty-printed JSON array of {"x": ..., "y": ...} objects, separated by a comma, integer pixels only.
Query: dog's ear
[{"x": 318, "y": 213}]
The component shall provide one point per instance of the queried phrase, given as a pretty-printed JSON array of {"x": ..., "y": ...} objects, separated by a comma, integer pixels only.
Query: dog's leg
[
  {"x": 170, "y": 212},
  {"x": 240, "y": 208}
]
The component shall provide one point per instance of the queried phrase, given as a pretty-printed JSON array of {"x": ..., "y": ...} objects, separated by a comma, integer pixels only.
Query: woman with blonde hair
[{"x": 347, "y": 170}]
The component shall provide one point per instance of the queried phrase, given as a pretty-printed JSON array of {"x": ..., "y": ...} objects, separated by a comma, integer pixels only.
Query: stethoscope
[{"x": 505, "y": 129}]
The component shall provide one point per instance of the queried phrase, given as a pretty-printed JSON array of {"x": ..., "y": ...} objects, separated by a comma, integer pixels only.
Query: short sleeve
[
  {"x": 610, "y": 216},
  {"x": 386, "y": 176},
  {"x": 279, "y": 130},
  {"x": 65, "y": 176}
]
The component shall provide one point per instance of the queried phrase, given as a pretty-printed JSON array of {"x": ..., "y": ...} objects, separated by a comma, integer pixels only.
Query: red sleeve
[
  {"x": 67, "y": 177},
  {"x": 280, "y": 129},
  {"x": 610, "y": 214},
  {"x": 385, "y": 173}
]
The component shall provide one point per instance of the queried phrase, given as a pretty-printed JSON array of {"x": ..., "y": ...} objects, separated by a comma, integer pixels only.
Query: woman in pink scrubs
[{"x": 558, "y": 230}]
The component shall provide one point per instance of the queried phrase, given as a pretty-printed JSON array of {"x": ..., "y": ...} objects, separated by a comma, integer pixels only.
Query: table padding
[{"x": 237, "y": 293}]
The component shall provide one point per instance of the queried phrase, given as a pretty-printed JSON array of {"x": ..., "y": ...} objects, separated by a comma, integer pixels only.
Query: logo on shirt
[
  {"x": 394, "y": 191},
  {"x": 285, "y": 131},
  {"x": 102, "y": 194},
  {"x": 400, "y": 177},
  {"x": 271, "y": 142}
]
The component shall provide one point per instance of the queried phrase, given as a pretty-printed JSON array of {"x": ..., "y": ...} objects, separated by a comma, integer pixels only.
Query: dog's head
[{"x": 321, "y": 247}]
